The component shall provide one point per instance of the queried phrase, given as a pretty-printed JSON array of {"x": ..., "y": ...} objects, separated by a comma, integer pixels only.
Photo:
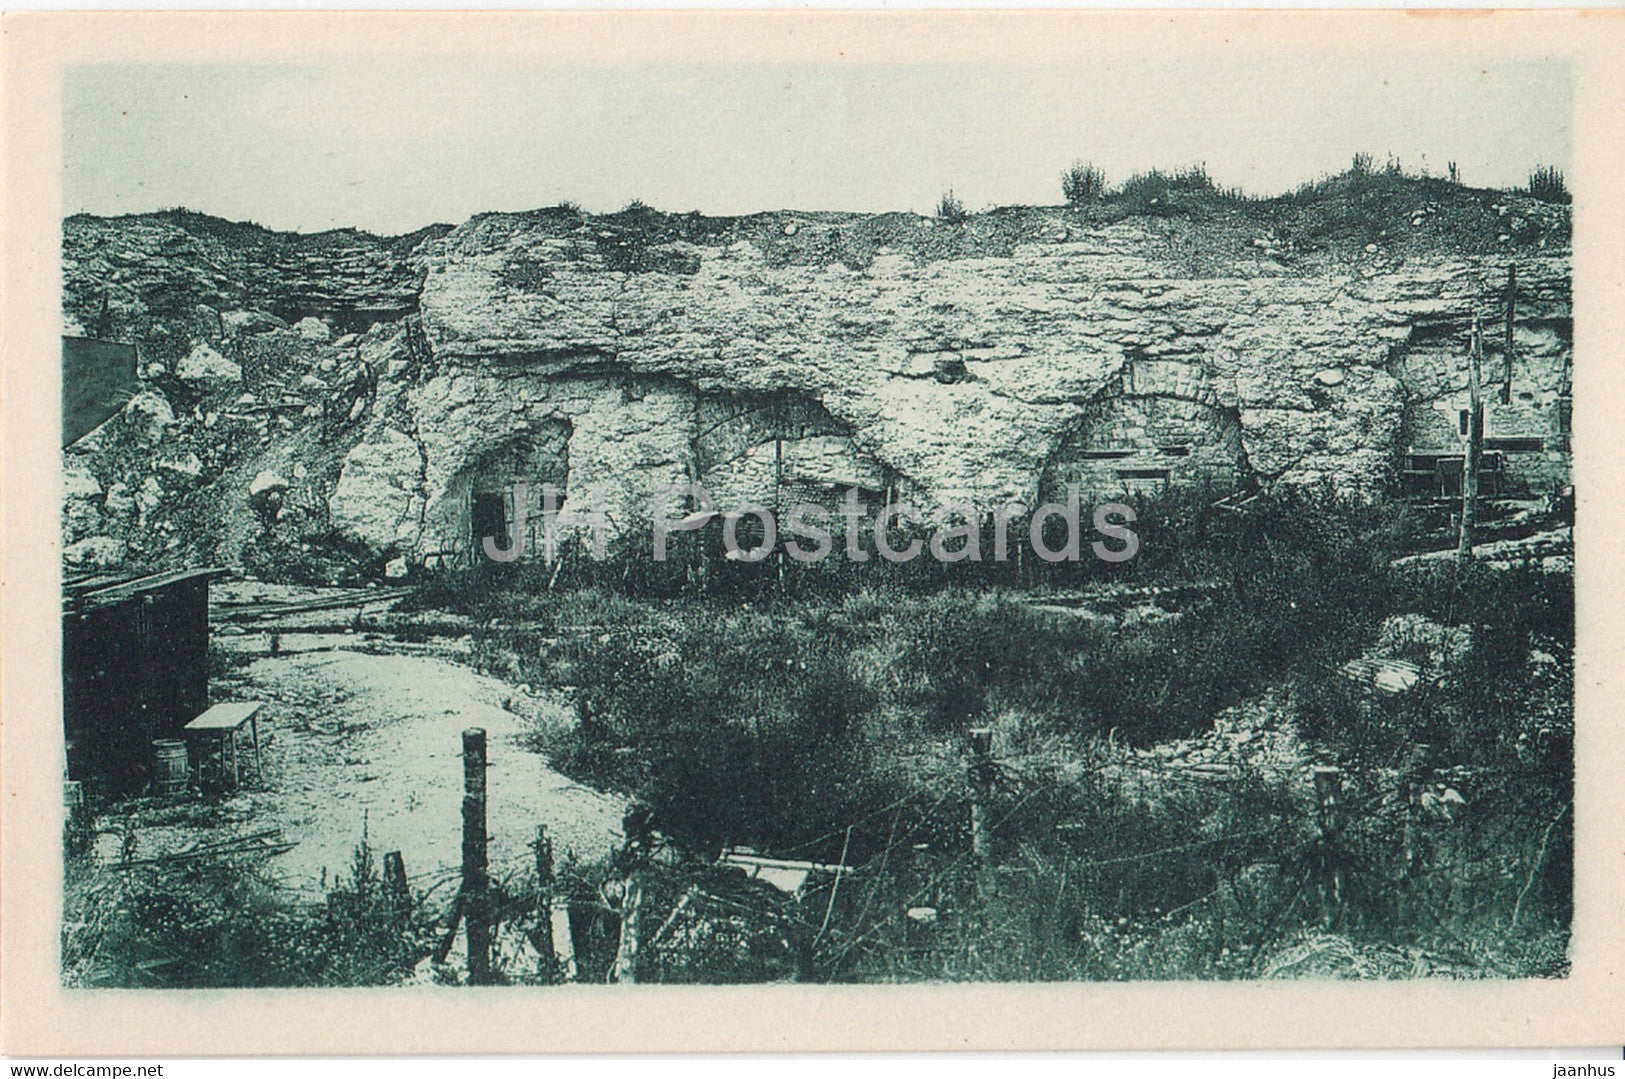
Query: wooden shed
[{"x": 135, "y": 668}]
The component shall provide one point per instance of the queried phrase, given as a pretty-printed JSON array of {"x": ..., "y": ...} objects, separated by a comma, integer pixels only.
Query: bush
[
  {"x": 950, "y": 208},
  {"x": 1546, "y": 184},
  {"x": 1158, "y": 193},
  {"x": 1083, "y": 183}
]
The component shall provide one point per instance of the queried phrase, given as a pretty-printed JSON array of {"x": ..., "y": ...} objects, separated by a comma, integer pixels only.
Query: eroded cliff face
[{"x": 807, "y": 354}]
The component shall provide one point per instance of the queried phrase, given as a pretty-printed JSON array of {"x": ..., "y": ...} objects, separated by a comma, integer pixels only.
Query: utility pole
[
  {"x": 1475, "y": 446},
  {"x": 980, "y": 772},
  {"x": 476, "y": 876},
  {"x": 1512, "y": 303}
]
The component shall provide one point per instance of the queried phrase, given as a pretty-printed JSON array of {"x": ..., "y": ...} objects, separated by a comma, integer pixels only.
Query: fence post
[
  {"x": 1475, "y": 446},
  {"x": 476, "y": 878},
  {"x": 543, "y": 848},
  {"x": 1328, "y": 784},
  {"x": 395, "y": 887},
  {"x": 980, "y": 773},
  {"x": 1512, "y": 306}
]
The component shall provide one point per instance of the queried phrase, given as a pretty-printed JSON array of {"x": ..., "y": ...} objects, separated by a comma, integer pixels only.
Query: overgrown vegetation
[
  {"x": 815, "y": 715},
  {"x": 227, "y": 922}
]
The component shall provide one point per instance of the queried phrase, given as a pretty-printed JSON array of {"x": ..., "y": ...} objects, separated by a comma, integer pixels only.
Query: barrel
[{"x": 169, "y": 778}]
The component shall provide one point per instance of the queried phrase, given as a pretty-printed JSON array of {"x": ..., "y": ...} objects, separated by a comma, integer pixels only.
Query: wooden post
[
  {"x": 476, "y": 879},
  {"x": 626, "y": 954},
  {"x": 1512, "y": 304},
  {"x": 544, "y": 940},
  {"x": 395, "y": 887},
  {"x": 1328, "y": 784},
  {"x": 980, "y": 774},
  {"x": 1475, "y": 446},
  {"x": 637, "y": 826},
  {"x": 564, "y": 952}
]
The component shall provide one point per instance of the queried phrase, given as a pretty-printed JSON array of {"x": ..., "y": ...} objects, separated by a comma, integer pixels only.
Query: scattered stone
[
  {"x": 266, "y": 481},
  {"x": 208, "y": 324},
  {"x": 251, "y": 322},
  {"x": 395, "y": 568},
  {"x": 119, "y": 502},
  {"x": 312, "y": 328},
  {"x": 185, "y": 466},
  {"x": 81, "y": 501},
  {"x": 148, "y": 417},
  {"x": 96, "y": 552},
  {"x": 206, "y": 370},
  {"x": 1329, "y": 377},
  {"x": 150, "y": 495},
  {"x": 77, "y": 480}
]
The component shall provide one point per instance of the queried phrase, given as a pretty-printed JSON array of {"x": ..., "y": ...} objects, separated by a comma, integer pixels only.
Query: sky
[{"x": 391, "y": 146}]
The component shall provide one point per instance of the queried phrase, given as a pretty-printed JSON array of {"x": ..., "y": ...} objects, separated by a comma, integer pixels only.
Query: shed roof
[{"x": 95, "y": 592}]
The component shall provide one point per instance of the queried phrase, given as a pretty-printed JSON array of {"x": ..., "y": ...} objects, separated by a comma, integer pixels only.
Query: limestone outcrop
[{"x": 998, "y": 358}]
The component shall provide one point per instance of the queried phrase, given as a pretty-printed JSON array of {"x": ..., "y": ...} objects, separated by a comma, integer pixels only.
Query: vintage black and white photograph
[{"x": 535, "y": 523}]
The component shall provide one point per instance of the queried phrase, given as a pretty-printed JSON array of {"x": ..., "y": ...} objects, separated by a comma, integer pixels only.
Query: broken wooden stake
[{"x": 395, "y": 886}]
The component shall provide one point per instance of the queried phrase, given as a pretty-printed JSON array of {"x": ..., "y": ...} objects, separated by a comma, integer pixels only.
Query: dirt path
[{"x": 349, "y": 736}]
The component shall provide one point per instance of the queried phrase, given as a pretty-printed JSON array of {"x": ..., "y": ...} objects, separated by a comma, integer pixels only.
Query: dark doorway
[{"x": 489, "y": 516}]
